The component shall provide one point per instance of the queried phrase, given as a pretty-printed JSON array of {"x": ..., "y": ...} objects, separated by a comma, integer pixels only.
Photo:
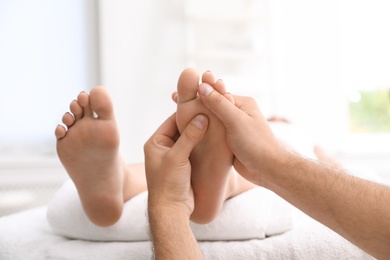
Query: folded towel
[
  {"x": 27, "y": 235},
  {"x": 257, "y": 213}
]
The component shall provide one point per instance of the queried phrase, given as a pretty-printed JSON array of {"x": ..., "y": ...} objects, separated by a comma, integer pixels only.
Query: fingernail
[
  {"x": 199, "y": 121},
  {"x": 205, "y": 89}
]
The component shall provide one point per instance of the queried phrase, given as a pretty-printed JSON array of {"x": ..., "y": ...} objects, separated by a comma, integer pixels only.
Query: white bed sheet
[{"x": 27, "y": 235}]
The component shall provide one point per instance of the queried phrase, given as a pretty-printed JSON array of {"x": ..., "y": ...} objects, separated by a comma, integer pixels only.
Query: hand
[
  {"x": 168, "y": 170},
  {"x": 171, "y": 200},
  {"x": 355, "y": 208},
  {"x": 247, "y": 131}
]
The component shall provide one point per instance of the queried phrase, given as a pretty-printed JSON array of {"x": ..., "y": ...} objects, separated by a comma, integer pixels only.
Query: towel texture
[
  {"x": 257, "y": 213},
  {"x": 27, "y": 235}
]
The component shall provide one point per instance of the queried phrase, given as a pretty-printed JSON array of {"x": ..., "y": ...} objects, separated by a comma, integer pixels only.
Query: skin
[
  {"x": 355, "y": 208},
  {"x": 89, "y": 151},
  {"x": 213, "y": 178},
  {"x": 171, "y": 198},
  {"x": 88, "y": 148}
]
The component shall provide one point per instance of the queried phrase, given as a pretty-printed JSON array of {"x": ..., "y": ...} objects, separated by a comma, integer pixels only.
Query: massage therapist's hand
[
  {"x": 171, "y": 200},
  {"x": 355, "y": 208},
  {"x": 248, "y": 134},
  {"x": 168, "y": 169}
]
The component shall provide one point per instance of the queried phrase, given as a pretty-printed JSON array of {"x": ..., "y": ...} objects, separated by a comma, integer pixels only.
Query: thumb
[
  {"x": 217, "y": 103},
  {"x": 190, "y": 137}
]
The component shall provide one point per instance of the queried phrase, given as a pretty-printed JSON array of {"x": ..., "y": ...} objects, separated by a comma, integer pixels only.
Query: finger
[
  {"x": 190, "y": 137},
  {"x": 246, "y": 104},
  {"x": 168, "y": 128},
  {"x": 164, "y": 135},
  {"x": 224, "y": 109}
]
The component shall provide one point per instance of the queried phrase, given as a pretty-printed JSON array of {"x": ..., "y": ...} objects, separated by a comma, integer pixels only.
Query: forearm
[
  {"x": 355, "y": 208},
  {"x": 172, "y": 236}
]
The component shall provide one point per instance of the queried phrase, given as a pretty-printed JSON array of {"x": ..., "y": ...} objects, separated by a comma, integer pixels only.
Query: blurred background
[{"x": 324, "y": 65}]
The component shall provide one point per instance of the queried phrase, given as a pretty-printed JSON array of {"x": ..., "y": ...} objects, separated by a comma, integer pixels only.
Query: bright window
[
  {"x": 369, "y": 111},
  {"x": 366, "y": 64},
  {"x": 46, "y": 50}
]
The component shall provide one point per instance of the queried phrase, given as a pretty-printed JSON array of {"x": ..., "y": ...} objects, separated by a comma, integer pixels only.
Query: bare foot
[
  {"x": 89, "y": 151},
  {"x": 213, "y": 179}
]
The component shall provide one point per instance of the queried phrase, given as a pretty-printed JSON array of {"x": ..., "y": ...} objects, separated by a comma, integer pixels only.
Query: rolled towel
[{"x": 257, "y": 213}]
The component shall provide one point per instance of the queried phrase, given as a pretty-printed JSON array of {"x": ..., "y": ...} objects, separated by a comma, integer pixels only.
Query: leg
[
  {"x": 213, "y": 178},
  {"x": 89, "y": 151}
]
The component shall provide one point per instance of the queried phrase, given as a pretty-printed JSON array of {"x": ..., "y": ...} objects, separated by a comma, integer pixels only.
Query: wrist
[
  {"x": 279, "y": 168},
  {"x": 171, "y": 233},
  {"x": 166, "y": 219},
  {"x": 174, "y": 209}
]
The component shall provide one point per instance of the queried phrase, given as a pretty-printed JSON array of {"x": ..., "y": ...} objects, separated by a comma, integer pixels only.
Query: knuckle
[{"x": 148, "y": 146}]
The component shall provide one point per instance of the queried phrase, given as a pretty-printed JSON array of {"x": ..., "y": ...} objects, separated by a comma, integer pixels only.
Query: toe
[
  {"x": 101, "y": 103},
  {"x": 220, "y": 86},
  {"x": 76, "y": 109},
  {"x": 68, "y": 119},
  {"x": 174, "y": 97},
  {"x": 208, "y": 77},
  {"x": 83, "y": 99},
  {"x": 187, "y": 85},
  {"x": 60, "y": 132}
]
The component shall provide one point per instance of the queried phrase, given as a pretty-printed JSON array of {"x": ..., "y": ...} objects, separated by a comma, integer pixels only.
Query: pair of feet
[{"x": 89, "y": 150}]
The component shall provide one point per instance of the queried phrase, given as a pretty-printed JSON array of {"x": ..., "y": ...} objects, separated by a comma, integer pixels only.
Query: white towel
[
  {"x": 257, "y": 213},
  {"x": 27, "y": 235}
]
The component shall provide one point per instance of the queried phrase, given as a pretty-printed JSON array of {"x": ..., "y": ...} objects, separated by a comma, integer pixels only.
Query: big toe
[
  {"x": 187, "y": 85},
  {"x": 101, "y": 103}
]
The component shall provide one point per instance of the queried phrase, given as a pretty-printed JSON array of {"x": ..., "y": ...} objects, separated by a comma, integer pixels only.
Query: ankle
[
  {"x": 106, "y": 213},
  {"x": 134, "y": 181}
]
